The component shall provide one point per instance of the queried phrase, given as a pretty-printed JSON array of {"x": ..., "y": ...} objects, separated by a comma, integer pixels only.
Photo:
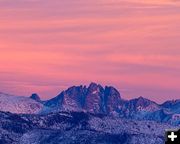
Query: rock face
[
  {"x": 112, "y": 99},
  {"x": 81, "y": 114},
  {"x": 74, "y": 98},
  {"x": 95, "y": 99},
  {"x": 107, "y": 100},
  {"x": 134, "y": 107},
  {"x": 35, "y": 97},
  {"x": 56, "y": 102}
]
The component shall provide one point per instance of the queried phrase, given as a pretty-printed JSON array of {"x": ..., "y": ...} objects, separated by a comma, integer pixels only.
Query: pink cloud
[{"x": 47, "y": 46}]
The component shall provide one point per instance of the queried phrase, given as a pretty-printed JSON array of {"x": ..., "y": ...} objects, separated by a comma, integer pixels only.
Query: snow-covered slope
[
  {"x": 107, "y": 100},
  {"x": 173, "y": 106},
  {"x": 78, "y": 127},
  {"x": 19, "y": 104},
  {"x": 95, "y": 99}
]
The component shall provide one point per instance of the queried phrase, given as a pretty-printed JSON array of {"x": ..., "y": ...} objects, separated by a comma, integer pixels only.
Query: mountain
[
  {"x": 173, "y": 106},
  {"x": 19, "y": 104},
  {"x": 78, "y": 127},
  {"x": 95, "y": 99},
  {"x": 137, "y": 107},
  {"x": 35, "y": 97},
  {"x": 81, "y": 114}
]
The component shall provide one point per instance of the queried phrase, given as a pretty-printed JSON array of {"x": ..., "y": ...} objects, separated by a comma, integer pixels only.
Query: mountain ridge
[
  {"x": 78, "y": 127},
  {"x": 103, "y": 100}
]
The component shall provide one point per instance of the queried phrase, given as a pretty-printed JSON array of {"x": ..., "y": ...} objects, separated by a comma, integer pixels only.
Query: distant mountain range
[
  {"x": 94, "y": 99},
  {"x": 85, "y": 115}
]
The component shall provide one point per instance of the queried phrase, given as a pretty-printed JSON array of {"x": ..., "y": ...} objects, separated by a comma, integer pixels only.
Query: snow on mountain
[
  {"x": 112, "y": 98},
  {"x": 78, "y": 127},
  {"x": 137, "y": 107},
  {"x": 143, "y": 104},
  {"x": 144, "y": 109},
  {"x": 19, "y": 104},
  {"x": 74, "y": 98},
  {"x": 95, "y": 99},
  {"x": 173, "y": 106},
  {"x": 85, "y": 114}
]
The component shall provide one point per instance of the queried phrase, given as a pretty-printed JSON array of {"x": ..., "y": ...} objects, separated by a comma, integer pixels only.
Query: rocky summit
[
  {"x": 94, "y": 98},
  {"x": 85, "y": 115}
]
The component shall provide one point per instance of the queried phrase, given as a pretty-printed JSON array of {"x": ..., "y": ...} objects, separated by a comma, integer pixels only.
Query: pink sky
[{"x": 47, "y": 46}]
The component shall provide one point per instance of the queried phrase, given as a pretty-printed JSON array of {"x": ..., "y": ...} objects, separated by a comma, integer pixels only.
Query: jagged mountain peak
[
  {"x": 94, "y": 99},
  {"x": 94, "y": 88},
  {"x": 109, "y": 90},
  {"x": 93, "y": 84}
]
